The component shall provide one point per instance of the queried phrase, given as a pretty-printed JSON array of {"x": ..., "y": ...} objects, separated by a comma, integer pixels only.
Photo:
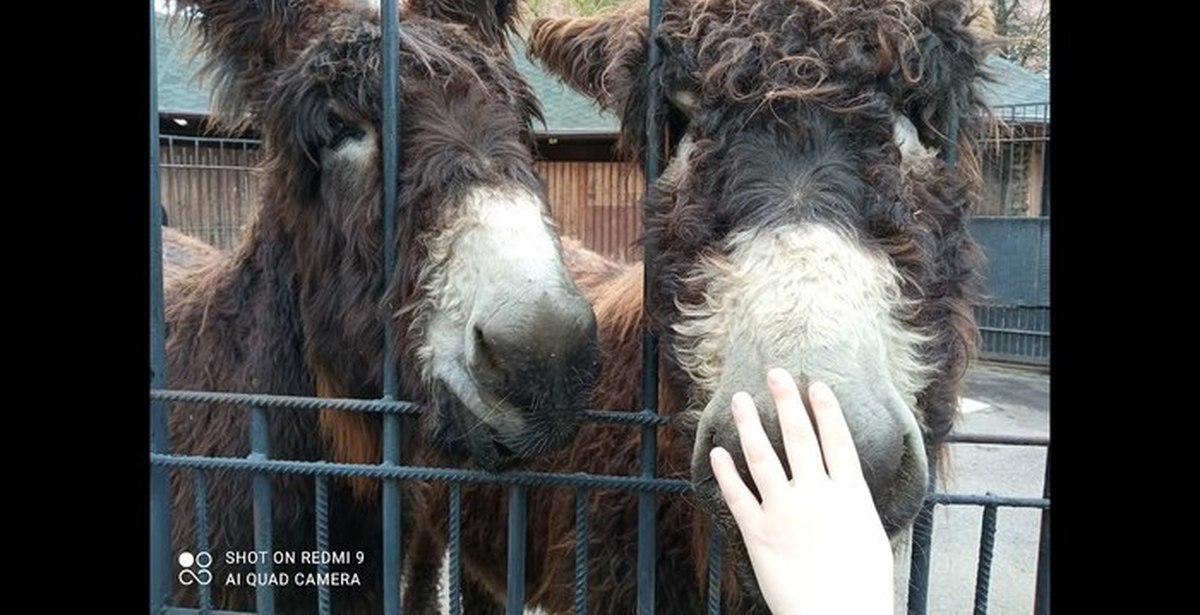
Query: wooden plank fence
[{"x": 209, "y": 187}]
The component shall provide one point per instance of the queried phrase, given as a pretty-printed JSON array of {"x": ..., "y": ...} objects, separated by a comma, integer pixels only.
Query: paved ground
[{"x": 999, "y": 400}]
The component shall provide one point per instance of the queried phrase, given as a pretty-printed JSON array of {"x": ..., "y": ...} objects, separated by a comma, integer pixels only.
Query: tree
[{"x": 1025, "y": 28}]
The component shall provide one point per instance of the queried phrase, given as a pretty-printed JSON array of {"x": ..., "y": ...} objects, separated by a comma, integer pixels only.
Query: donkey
[
  {"x": 804, "y": 220},
  {"x": 495, "y": 341}
]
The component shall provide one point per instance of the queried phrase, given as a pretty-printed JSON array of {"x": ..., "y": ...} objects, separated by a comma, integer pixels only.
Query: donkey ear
[
  {"x": 490, "y": 20},
  {"x": 600, "y": 56},
  {"x": 246, "y": 40}
]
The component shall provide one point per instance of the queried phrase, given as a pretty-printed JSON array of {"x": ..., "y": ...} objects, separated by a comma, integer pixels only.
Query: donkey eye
[{"x": 340, "y": 131}]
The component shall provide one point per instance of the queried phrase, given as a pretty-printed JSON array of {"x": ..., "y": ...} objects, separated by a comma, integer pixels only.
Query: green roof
[
  {"x": 1016, "y": 86},
  {"x": 178, "y": 89},
  {"x": 566, "y": 111}
]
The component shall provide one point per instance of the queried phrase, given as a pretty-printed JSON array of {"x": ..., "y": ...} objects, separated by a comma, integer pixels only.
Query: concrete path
[{"x": 999, "y": 400}]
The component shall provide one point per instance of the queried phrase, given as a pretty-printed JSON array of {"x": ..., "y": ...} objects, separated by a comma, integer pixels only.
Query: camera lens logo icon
[{"x": 201, "y": 575}]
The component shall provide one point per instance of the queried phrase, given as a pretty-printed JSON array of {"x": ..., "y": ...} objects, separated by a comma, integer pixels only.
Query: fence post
[
  {"x": 160, "y": 507},
  {"x": 648, "y": 500},
  {"x": 517, "y": 509},
  {"x": 1041, "y": 601},
  {"x": 392, "y": 426}
]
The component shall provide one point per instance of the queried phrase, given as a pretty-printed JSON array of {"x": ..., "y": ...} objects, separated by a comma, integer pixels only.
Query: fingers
[
  {"x": 799, "y": 439},
  {"x": 738, "y": 497},
  {"x": 760, "y": 455},
  {"x": 841, "y": 458}
]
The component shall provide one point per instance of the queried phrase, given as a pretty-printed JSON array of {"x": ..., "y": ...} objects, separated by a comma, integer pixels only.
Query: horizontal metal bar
[
  {"x": 206, "y": 167},
  {"x": 955, "y": 499},
  {"x": 285, "y": 401},
  {"x": 626, "y": 418},
  {"x": 367, "y": 405},
  {"x": 1018, "y": 359},
  {"x": 323, "y": 468},
  {"x": 980, "y": 438},
  {"x": 175, "y": 610},
  {"x": 181, "y": 141},
  {"x": 1015, "y": 331}
]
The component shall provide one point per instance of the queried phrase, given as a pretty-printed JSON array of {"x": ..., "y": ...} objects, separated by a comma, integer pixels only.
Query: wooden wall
[
  {"x": 598, "y": 203},
  {"x": 209, "y": 187}
]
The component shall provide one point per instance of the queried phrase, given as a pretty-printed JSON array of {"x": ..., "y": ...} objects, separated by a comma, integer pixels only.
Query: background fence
[{"x": 1013, "y": 226}]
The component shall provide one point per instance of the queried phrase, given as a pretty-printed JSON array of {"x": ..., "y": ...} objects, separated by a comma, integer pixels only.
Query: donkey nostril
[{"x": 484, "y": 351}]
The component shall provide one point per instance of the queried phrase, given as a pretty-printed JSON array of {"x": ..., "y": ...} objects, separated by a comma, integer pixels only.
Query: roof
[
  {"x": 1017, "y": 93},
  {"x": 567, "y": 112},
  {"x": 179, "y": 91}
]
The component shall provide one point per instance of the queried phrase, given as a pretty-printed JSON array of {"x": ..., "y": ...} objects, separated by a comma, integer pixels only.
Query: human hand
[{"x": 815, "y": 542}]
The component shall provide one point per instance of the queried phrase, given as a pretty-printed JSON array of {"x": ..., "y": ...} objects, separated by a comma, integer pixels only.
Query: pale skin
[{"x": 815, "y": 542}]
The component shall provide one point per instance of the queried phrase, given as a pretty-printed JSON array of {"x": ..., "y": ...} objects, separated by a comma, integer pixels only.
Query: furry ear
[
  {"x": 247, "y": 40},
  {"x": 600, "y": 56},
  {"x": 490, "y": 20},
  {"x": 946, "y": 67}
]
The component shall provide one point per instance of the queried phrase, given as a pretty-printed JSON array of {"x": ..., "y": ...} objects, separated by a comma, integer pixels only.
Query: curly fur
[{"x": 782, "y": 99}]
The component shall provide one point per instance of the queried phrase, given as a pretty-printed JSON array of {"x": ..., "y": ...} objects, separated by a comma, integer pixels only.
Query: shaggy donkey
[
  {"x": 495, "y": 340},
  {"x": 804, "y": 220}
]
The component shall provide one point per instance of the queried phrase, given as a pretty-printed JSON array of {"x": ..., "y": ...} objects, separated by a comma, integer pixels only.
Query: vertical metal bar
[
  {"x": 581, "y": 550},
  {"x": 455, "y": 563},
  {"x": 264, "y": 594},
  {"x": 1041, "y": 600},
  {"x": 918, "y": 577},
  {"x": 1045, "y": 209},
  {"x": 950, "y": 153},
  {"x": 716, "y": 548},
  {"x": 200, "y": 491},
  {"x": 160, "y": 508},
  {"x": 516, "y": 549},
  {"x": 987, "y": 543},
  {"x": 322, "y": 513},
  {"x": 390, "y": 16},
  {"x": 647, "y": 500}
]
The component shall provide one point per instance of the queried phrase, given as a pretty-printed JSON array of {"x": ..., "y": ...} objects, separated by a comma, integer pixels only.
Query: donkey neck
[{"x": 234, "y": 325}]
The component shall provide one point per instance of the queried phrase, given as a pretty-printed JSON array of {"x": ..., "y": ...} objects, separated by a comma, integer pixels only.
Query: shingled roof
[{"x": 567, "y": 112}]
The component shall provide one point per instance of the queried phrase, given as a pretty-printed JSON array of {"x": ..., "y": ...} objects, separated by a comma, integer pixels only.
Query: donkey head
[
  {"x": 804, "y": 219},
  {"x": 494, "y": 337}
]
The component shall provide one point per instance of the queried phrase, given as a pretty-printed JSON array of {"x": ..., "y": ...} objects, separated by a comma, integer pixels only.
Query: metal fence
[
  {"x": 990, "y": 504},
  {"x": 1014, "y": 313},
  {"x": 209, "y": 185},
  {"x": 392, "y": 471},
  {"x": 1015, "y": 161}
]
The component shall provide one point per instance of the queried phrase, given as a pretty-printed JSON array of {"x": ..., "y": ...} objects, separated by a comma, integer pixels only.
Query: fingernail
[
  {"x": 820, "y": 389},
  {"x": 742, "y": 399},
  {"x": 778, "y": 375}
]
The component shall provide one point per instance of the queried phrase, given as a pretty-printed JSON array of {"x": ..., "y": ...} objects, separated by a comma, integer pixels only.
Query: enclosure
[{"x": 205, "y": 185}]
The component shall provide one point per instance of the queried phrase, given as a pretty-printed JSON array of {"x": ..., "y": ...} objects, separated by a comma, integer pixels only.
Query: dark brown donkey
[
  {"x": 804, "y": 221},
  {"x": 495, "y": 340}
]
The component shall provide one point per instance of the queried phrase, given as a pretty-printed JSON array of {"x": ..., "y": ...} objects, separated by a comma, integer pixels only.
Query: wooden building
[{"x": 209, "y": 183}]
